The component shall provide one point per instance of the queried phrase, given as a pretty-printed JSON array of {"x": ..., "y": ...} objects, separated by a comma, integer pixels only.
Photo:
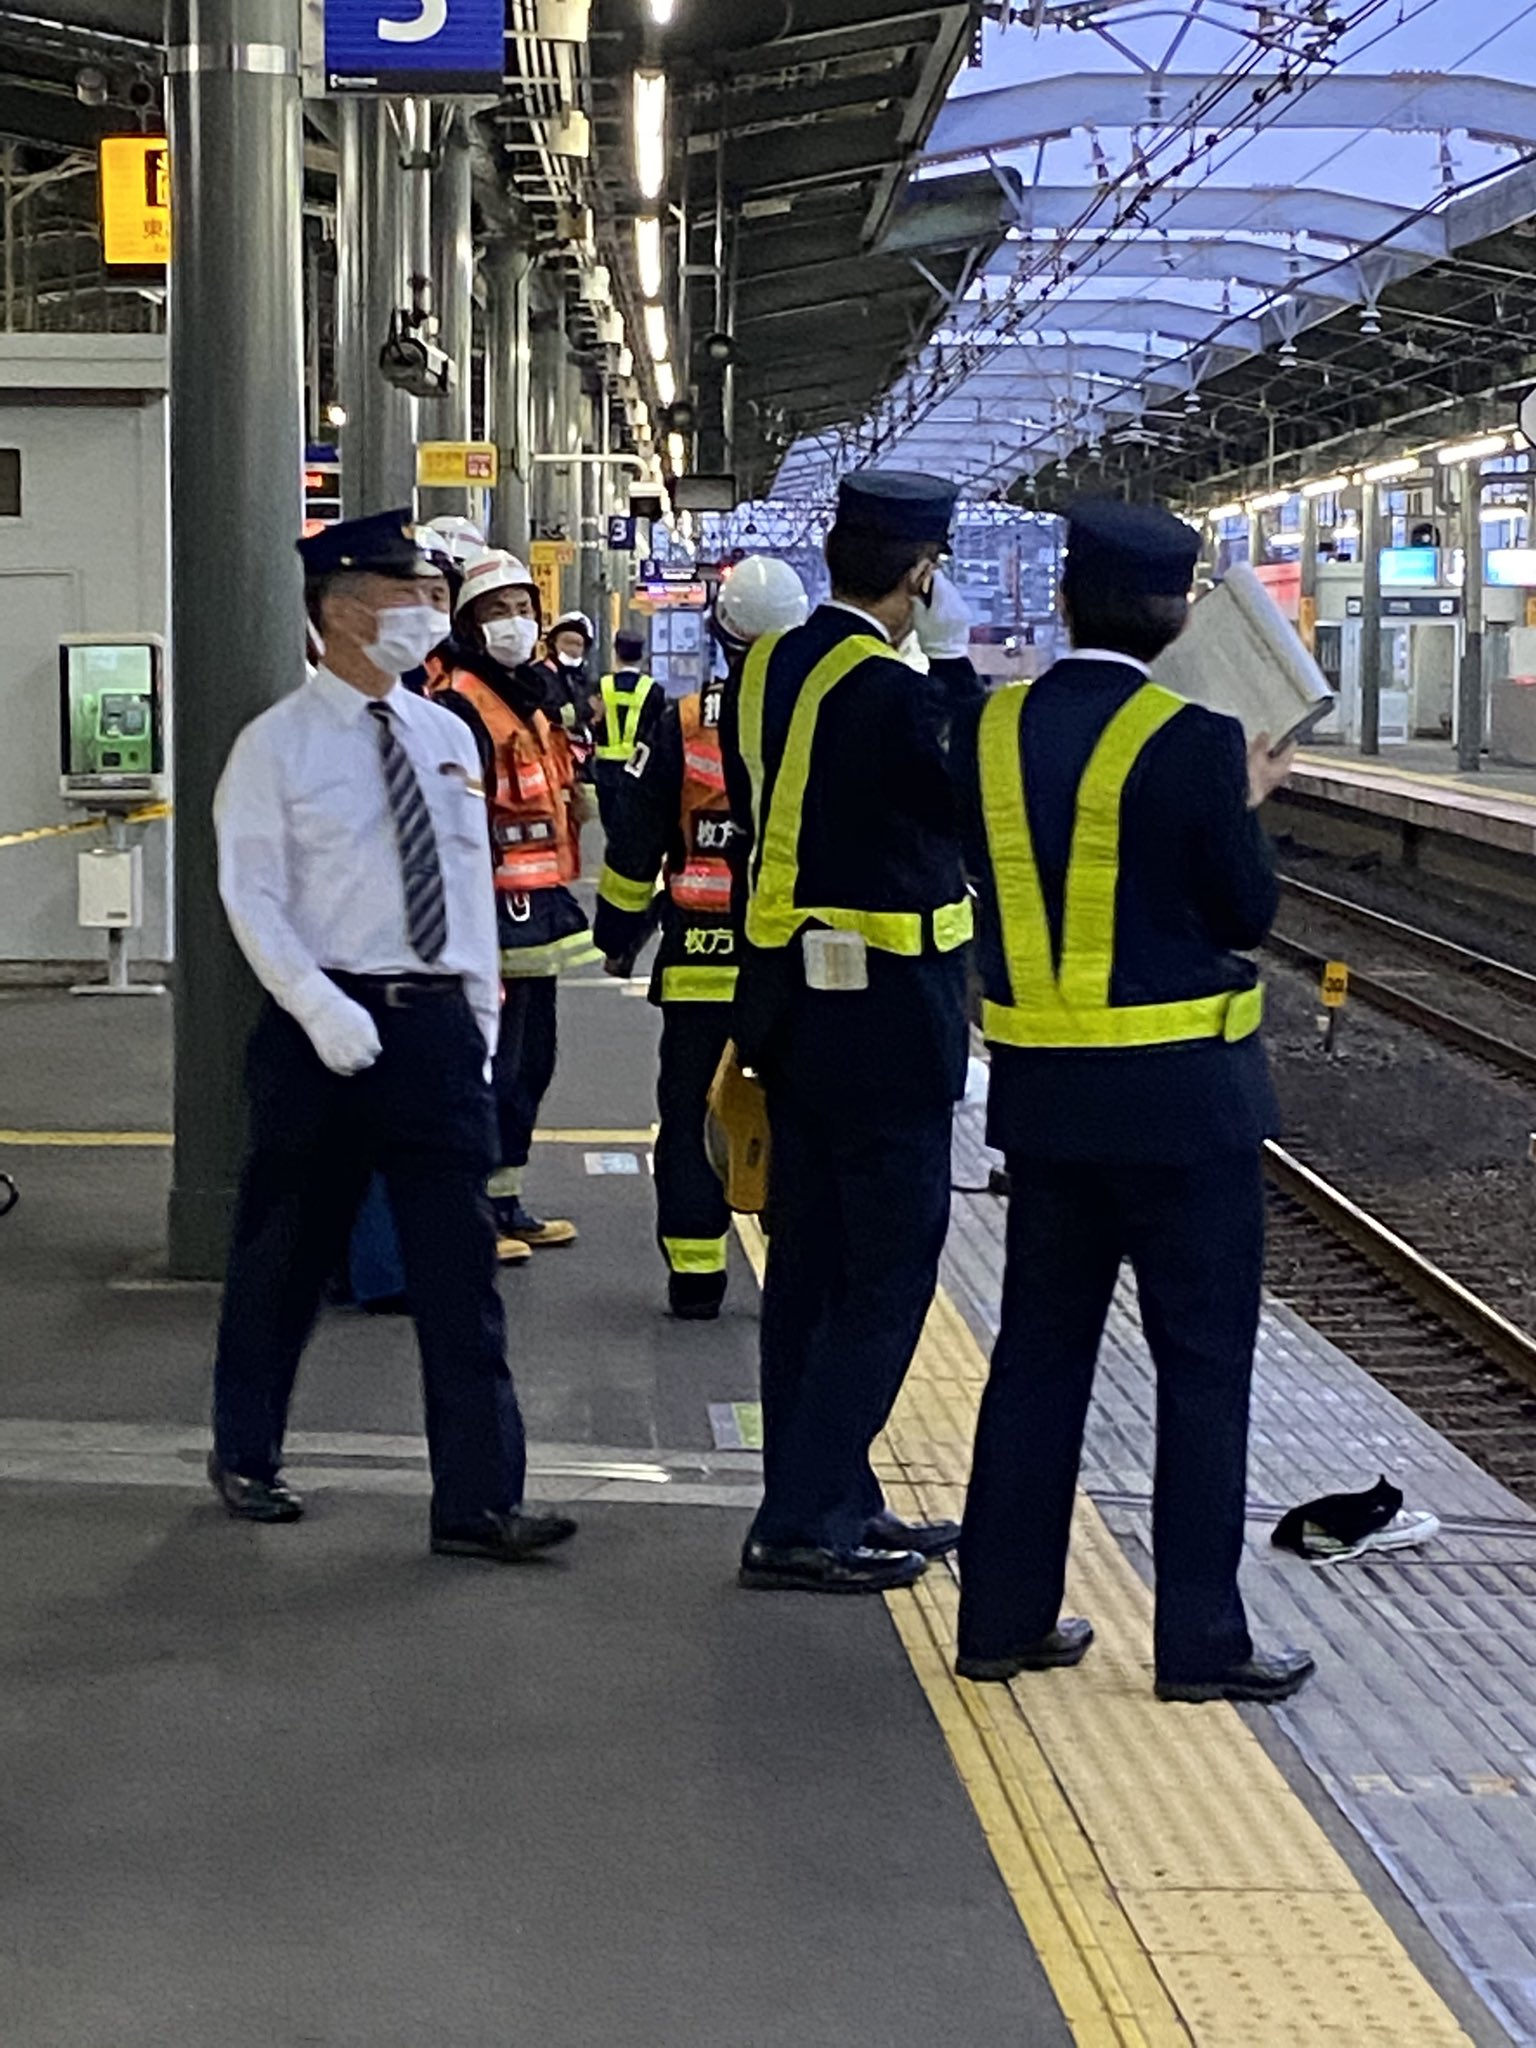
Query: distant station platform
[
  {"x": 310, "y": 1784},
  {"x": 1409, "y": 793}
]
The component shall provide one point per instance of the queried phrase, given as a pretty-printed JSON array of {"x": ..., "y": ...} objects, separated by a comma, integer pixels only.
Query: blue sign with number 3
[{"x": 428, "y": 46}]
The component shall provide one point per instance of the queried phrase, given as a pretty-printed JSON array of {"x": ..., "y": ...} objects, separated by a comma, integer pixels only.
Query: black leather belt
[{"x": 395, "y": 991}]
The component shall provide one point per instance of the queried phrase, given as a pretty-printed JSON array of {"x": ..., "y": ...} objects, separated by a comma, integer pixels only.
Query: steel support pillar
[
  {"x": 592, "y": 484},
  {"x": 1370, "y": 619},
  {"x": 548, "y": 351},
  {"x": 378, "y": 443},
  {"x": 453, "y": 300},
  {"x": 1306, "y": 605},
  {"x": 237, "y": 422},
  {"x": 1469, "y": 681},
  {"x": 509, "y": 382}
]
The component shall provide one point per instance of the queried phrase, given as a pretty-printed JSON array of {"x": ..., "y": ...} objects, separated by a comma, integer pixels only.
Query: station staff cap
[
  {"x": 1142, "y": 550},
  {"x": 896, "y": 504},
  {"x": 383, "y": 544}
]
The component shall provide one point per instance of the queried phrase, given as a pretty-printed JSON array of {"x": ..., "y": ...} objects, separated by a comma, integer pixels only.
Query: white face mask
[
  {"x": 511, "y": 640},
  {"x": 570, "y": 660},
  {"x": 404, "y": 635}
]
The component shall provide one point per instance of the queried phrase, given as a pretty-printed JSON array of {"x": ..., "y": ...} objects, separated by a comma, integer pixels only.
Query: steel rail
[
  {"x": 1430, "y": 1285},
  {"x": 1515, "y": 1060},
  {"x": 1515, "y": 981}
]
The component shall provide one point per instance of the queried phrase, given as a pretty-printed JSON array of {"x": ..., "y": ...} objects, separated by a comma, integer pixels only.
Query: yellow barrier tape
[{"x": 142, "y": 816}]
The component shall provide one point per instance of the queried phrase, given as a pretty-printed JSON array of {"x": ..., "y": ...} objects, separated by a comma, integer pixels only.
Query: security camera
[
  {"x": 413, "y": 363},
  {"x": 91, "y": 86}
]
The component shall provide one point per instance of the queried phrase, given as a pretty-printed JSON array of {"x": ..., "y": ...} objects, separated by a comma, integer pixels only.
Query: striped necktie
[{"x": 426, "y": 906}]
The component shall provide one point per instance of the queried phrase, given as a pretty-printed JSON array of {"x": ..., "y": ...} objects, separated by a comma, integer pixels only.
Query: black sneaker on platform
[
  {"x": 929, "y": 1539},
  {"x": 506, "y": 1539},
  {"x": 253, "y": 1500},
  {"x": 1266, "y": 1677},
  {"x": 803, "y": 1569},
  {"x": 1066, "y": 1645},
  {"x": 695, "y": 1297}
]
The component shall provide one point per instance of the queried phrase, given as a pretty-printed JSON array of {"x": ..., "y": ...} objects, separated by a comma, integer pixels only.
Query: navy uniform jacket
[
  {"x": 1196, "y": 888},
  {"x": 880, "y": 830},
  {"x": 645, "y": 830}
]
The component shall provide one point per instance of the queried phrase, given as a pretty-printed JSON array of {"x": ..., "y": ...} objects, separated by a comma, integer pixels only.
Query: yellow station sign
[
  {"x": 455, "y": 465},
  {"x": 135, "y": 201}
]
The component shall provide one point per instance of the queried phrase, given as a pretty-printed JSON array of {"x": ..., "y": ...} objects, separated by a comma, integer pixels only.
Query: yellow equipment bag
[{"x": 736, "y": 1135}]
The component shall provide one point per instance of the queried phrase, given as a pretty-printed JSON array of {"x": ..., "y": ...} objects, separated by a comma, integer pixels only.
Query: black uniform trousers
[
  {"x": 421, "y": 1117},
  {"x": 858, "y": 1212},
  {"x": 690, "y": 1202},
  {"x": 1194, "y": 1235},
  {"x": 525, "y": 1061},
  {"x": 607, "y": 780}
]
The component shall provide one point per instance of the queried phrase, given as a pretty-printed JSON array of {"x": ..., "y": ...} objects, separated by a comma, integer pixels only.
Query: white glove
[
  {"x": 345, "y": 1036},
  {"x": 942, "y": 621}
]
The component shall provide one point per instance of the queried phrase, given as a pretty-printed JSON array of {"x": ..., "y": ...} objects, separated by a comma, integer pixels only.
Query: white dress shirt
[
  {"x": 1109, "y": 654},
  {"x": 841, "y": 604},
  {"x": 308, "y": 865}
]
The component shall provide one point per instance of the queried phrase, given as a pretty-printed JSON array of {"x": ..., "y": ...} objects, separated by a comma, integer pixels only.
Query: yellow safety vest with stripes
[
  {"x": 621, "y": 716},
  {"x": 1067, "y": 1005},
  {"x": 774, "y": 917}
]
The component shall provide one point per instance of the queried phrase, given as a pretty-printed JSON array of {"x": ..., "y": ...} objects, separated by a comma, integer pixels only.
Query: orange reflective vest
[
  {"x": 703, "y": 882},
  {"x": 535, "y": 843}
]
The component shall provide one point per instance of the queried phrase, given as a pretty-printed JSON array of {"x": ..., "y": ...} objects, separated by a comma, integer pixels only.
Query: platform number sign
[{"x": 428, "y": 46}]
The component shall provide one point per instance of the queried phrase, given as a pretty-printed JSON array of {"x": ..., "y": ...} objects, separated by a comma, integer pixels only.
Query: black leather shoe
[
  {"x": 1066, "y": 1645},
  {"x": 929, "y": 1539},
  {"x": 506, "y": 1539},
  {"x": 695, "y": 1297},
  {"x": 253, "y": 1500},
  {"x": 805, "y": 1569},
  {"x": 1264, "y": 1679}
]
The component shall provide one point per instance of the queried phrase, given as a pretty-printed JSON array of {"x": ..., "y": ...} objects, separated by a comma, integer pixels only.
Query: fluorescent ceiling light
[
  {"x": 1222, "y": 512},
  {"x": 656, "y": 333},
  {"x": 648, "y": 254},
  {"x": 626, "y": 362},
  {"x": 661, "y": 12},
  {"x": 666, "y": 384},
  {"x": 677, "y": 450},
  {"x": 1473, "y": 451},
  {"x": 1387, "y": 472},
  {"x": 1270, "y": 501},
  {"x": 1328, "y": 486},
  {"x": 650, "y": 132}
]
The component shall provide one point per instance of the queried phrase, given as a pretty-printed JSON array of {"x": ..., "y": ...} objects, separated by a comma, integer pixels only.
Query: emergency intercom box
[{"x": 112, "y": 718}]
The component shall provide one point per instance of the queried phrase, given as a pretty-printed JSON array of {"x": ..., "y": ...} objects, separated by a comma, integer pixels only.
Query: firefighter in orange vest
[
  {"x": 536, "y": 814},
  {"x": 670, "y": 815}
]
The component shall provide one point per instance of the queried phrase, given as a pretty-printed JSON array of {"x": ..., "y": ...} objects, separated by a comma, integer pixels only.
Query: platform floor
[{"x": 309, "y": 1785}]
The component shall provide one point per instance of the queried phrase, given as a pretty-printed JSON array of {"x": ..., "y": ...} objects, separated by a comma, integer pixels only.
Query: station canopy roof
[
  {"x": 806, "y": 118},
  {"x": 1243, "y": 248}
]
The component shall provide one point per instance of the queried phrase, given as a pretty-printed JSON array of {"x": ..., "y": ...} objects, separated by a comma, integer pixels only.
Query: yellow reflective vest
[
  {"x": 774, "y": 915},
  {"x": 1067, "y": 1004},
  {"x": 621, "y": 716}
]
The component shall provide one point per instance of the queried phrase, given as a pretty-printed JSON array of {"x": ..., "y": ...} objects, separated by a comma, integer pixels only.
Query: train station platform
[
  {"x": 283, "y": 1786},
  {"x": 1411, "y": 794}
]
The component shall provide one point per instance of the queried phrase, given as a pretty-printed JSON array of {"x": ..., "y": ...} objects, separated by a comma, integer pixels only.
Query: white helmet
[
  {"x": 461, "y": 540},
  {"x": 761, "y": 595},
  {"x": 494, "y": 569},
  {"x": 573, "y": 622}
]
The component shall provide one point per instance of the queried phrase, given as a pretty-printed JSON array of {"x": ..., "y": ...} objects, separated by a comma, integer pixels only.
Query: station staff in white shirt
[{"x": 355, "y": 869}]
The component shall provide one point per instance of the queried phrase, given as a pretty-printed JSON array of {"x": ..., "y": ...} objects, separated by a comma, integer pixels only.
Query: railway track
[
  {"x": 1432, "y": 1341},
  {"x": 1512, "y": 983}
]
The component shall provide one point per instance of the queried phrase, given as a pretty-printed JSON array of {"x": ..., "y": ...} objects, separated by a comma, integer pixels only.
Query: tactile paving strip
[
  {"x": 1174, "y": 1886},
  {"x": 1421, "y": 1723}
]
